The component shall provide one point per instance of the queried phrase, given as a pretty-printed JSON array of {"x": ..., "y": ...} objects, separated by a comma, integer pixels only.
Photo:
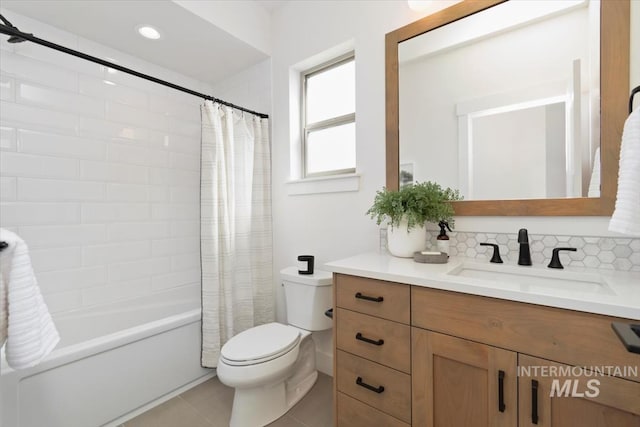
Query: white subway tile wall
[{"x": 99, "y": 171}]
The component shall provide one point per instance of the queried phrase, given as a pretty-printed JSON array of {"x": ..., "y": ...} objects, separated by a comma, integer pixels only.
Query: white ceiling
[{"x": 189, "y": 44}]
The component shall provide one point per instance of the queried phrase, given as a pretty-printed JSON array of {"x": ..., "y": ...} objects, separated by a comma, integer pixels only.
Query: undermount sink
[{"x": 533, "y": 278}]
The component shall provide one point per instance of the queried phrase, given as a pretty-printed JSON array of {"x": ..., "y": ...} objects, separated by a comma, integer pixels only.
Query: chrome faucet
[{"x": 524, "y": 258}]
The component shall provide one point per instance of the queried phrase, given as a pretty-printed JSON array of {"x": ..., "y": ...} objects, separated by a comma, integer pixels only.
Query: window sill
[{"x": 325, "y": 184}]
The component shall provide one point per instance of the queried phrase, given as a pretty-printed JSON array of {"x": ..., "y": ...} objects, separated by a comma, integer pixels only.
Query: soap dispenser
[{"x": 442, "y": 241}]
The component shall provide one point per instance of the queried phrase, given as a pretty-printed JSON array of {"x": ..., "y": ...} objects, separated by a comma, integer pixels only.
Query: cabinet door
[
  {"x": 557, "y": 395},
  {"x": 457, "y": 382}
]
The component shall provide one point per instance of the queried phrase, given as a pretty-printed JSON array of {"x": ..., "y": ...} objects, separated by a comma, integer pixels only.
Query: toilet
[{"x": 272, "y": 366}]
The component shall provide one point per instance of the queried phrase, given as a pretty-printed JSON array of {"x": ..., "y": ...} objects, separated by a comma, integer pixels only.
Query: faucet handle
[
  {"x": 555, "y": 257},
  {"x": 496, "y": 252}
]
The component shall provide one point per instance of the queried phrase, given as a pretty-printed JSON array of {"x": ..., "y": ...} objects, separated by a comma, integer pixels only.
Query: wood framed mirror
[{"x": 614, "y": 92}]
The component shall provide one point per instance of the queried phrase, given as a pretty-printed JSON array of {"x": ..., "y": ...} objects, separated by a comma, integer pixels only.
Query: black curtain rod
[{"x": 19, "y": 36}]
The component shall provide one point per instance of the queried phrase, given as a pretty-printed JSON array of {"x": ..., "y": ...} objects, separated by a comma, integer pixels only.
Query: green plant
[{"x": 419, "y": 203}]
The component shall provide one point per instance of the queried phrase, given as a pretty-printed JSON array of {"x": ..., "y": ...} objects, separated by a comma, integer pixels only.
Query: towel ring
[{"x": 633, "y": 92}]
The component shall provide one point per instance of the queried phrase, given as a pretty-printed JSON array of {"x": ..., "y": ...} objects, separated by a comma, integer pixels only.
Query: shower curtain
[{"x": 236, "y": 227}]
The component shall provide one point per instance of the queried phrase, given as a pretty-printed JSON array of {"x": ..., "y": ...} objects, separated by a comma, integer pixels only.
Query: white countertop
[{"x": 618, "y": 295}]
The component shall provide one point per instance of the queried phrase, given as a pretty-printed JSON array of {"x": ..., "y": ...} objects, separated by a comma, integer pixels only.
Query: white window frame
[{"x": 323, "y": 124}]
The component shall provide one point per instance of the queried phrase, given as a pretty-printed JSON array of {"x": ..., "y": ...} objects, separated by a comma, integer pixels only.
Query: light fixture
[{"x": 149, "y": 32}]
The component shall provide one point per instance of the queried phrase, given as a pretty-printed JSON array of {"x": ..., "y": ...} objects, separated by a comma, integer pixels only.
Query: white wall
[
  {"x": 250, "y": 88},
  {"x": 332, "y": 226},
  {"x": 329, "y": 226},
  {"x": 102, "y": 181}
]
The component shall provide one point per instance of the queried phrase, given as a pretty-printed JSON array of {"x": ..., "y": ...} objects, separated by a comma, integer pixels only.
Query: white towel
[
  {"x": 626, "y": 216},
  {"x": 26, "y": 323}
]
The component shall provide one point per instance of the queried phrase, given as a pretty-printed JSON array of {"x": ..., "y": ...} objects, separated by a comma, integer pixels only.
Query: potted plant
[{"x": 408, "y": 209}]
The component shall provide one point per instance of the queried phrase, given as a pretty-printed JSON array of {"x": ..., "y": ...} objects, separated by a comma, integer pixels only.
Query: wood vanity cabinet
[
  {"x": 455, "y": 360},
  {"x": 372, "y": 357},
  {"x": 617, "y": 403},
  {"x": 463, "y": 341},
  {"x": 458, "y": 382}
]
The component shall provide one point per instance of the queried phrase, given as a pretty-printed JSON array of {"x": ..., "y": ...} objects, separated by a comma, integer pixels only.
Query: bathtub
[{"x": 112, "y": 363}]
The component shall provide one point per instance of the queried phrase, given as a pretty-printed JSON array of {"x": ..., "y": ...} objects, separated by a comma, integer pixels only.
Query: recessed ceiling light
[{"x": 149, "y": 32}]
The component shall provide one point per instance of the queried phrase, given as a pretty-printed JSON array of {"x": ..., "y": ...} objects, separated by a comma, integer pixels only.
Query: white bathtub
[{"x": 112, "y": 363}]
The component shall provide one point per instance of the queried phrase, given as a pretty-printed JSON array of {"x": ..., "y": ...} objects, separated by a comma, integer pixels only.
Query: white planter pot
[{"x": 403, "y": 243}]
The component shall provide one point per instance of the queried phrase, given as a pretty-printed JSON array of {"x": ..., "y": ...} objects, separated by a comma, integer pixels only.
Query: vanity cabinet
[
  {"x": 463, "y": 341},
  {"x": 441, "y": 358},
  {"x": 617, "y": 403},
  {"x": 372, "y": 358},
  {"x": 462, "y": 383}
]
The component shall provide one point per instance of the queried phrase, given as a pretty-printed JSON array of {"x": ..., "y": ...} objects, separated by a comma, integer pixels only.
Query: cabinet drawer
[
  {"x": 391, "y": 341},
  {"x": 375, "y": 297},
  {"x": 571, "y": 337},
  {"x": 352, "y": 413},
  {"x": 391, "y": 389}
]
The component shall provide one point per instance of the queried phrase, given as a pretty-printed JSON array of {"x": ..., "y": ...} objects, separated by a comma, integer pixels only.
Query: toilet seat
[{"x": 260, "y": 344}]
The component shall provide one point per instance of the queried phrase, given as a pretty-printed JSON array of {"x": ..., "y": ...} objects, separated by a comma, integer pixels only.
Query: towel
[
  {"x": 594, "y": 184},
  {"x": 626, "y": 216},
  {"x": 25, "y": 322}
]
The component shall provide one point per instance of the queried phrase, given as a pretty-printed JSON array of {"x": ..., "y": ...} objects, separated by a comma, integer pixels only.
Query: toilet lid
[{"x": 260, "y": 343}]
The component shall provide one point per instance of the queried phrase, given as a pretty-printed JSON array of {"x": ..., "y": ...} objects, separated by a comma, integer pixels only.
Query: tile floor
[{"x": 209, "y": 405}]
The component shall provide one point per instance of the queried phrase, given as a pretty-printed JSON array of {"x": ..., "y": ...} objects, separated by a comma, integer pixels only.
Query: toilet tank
[{"x": 307, "y": 297}]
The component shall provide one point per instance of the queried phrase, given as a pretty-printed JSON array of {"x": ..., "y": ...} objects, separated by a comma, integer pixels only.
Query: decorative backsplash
[{"x": 610, "y": 253}]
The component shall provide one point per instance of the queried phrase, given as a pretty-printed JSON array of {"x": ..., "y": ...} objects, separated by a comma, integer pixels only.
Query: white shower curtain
[{"x": 236, "y": 227}]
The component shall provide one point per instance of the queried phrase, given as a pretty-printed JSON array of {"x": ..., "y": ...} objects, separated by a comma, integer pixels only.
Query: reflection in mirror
[
  {"x": 535, "y": 166},
  {"x": 517, "y": 116}
]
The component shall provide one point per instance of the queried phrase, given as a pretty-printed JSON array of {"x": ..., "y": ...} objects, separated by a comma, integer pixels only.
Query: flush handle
[
  {"x": 368, "y": 298},
  {"x": 360, "y": 337}
]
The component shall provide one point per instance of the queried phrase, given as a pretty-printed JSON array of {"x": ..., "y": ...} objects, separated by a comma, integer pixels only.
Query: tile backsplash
[{"x": 609, "y": 253}]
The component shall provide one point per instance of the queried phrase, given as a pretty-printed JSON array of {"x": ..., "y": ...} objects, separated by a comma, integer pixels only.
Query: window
[{"x": 329, "y": 118}]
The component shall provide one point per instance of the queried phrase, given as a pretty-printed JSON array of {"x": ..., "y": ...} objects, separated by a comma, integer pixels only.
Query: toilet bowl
[{"x": 272, "y": 366}]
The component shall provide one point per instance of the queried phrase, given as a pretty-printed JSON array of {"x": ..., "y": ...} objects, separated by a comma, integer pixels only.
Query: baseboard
[{"x": 324, "y": 363}]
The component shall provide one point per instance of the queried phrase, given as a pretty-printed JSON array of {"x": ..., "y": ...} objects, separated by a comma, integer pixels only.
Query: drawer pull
[
  {"x": 368, "y": 298},
  {"x": 629, "y": 335},
  {"x": 501, "y": 405},
  {"x": 361, "y": 383},
  {"x": 534, "y": 401},
  {"x": 368, "y": 340}
]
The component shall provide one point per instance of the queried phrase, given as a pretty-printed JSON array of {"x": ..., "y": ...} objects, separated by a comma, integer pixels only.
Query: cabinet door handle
[
  {"x": 361, "y": 383},
  {"x": 534, "y": 401},
  {"x": 368, "y": 298},
  {"x": 369, "y": 340},
  {"x": 501, "y": 405}
]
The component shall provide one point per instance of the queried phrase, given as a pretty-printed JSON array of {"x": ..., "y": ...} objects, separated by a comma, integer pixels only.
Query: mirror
[{"x": 452, "y": 124}]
